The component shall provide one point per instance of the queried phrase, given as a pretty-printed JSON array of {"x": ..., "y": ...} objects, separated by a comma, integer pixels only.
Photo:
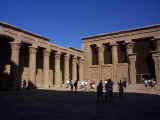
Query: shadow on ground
[{"x": 60, "y": 105}]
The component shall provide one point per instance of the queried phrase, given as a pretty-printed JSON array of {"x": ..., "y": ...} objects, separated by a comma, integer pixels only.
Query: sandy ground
[{"x": 65, "y": 105}]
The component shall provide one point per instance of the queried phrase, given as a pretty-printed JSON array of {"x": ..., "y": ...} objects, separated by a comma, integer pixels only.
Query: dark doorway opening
[
  {"x": 5, "y": 61},
  {"x": 145, "y": 66}
]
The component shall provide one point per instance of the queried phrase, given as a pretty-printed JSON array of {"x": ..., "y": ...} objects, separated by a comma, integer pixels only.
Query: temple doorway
[{"x": 145, "y": 67}]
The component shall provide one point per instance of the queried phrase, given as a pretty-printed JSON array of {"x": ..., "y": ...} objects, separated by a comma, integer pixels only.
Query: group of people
[
  {"x": 149, "y": 83},
  {"x": 71, "y": 84},
  {"x": 109, "y": 90}
]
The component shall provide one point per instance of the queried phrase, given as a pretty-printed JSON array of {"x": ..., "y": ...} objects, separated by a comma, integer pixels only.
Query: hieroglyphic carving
[{"x": 107, "y": 73}]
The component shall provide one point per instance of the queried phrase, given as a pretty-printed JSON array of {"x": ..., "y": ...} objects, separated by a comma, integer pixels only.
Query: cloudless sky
[{"x": 66, "y": 21}]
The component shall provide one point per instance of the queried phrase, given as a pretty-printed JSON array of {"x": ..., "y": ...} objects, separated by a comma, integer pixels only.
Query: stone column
[
  {"x": 156, "y": 58},
  {"x": 66, "y": 67},
  {"x": 101, "y": 54},
  {"x": 15, "y": 50},
  {"x": 74, "y": 68},
  {"x": 57, "y": 69},
  {"x": 89, "y": 55},
  {"x": 114, "y": 60},
  {"x": 81, "y": 69},
  {"x": 46, "y": 54},
  {"x": 100, "y": 60},
  {"x": 32, "y": 64},
  {"x": 132, "y": 61}
]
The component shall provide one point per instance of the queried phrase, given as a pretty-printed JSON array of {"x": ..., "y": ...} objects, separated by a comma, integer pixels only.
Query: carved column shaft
[
  {"x": 158, "y": 44},
  {"x": 66, "y": 67},
  {"x": 132, "y": 66},
  {"x": 115, "y": 60},
  {"x": 90, "y": 55},
  {"x": 156, "y": 58},
  {"x": 74, "y": 68},
  {"x": 15, "y": 50},
  {"x": 81, "y": 69},
  {"x": 46, "y": 82},
  {"x": 101, "y": 54},
  {"x": 57, "y": 69},
  {"x": 32, "y": 64},
  {"x": 132, "y": 61}
]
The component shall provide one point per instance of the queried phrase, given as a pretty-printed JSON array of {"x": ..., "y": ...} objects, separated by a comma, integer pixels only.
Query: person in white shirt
[{"x": 67, "y": 83}]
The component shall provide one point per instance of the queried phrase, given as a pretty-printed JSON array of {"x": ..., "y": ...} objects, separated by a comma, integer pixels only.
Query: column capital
[
  {"x": 15, "y": 45},
  {"x": 74, "y": 58},
  {"x": 155, "y": 54},
  {"x": 114, "y": 43},
  {"x": 57, "y": 55},
  {"x": 32, "y": 50},
  {"x": 100, "y": 47},
  {"x": 81, "y": 60},
  {"x": 130, "y": 46},
  {"x": 66, "y": 55},
  {"x": 46, "y": 52},
  {"x": 132, "y": 57}
]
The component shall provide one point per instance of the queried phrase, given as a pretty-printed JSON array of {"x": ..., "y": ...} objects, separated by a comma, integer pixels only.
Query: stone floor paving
[{"x": 65, "y": 105}]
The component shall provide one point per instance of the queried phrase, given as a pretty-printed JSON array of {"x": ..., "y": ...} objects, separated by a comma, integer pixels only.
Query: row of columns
[
  {"x": 132, "y": 60},
  {"x": 15, "y": 47}
]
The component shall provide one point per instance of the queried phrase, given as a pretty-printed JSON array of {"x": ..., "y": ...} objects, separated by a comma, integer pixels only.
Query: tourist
[
  {"x": 120, "y": 85},
  {"x": 76, "y": 85},
  {"x": 71, "y": 84},
  {"x": 124, "y": 84},
  {"x": 150, "y": 83},
  {"x": 109, "y": 91},
  {"x": 82, "y": 85},
  {"x": 146, "y": 83},
  {"x": 154, "y": 83},
  {"x": 24, "y": 84},
  {"x": 100, "y": 92},
  {"x": 67, "y": 83}
]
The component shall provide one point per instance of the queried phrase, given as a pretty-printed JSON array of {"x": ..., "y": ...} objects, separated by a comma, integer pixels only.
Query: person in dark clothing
[
  {"x": 24, "y": 84},
  {"x": 100, "y": 92},
  {"x": 109, "y": 91},
  {"x": 121, "y": 91},
  {"x": 76, "y": 85},
  {"x": 71, "y": 85}
]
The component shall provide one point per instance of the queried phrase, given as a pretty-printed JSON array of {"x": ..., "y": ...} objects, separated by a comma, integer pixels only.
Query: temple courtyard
[{"x": 139, "y": 104}]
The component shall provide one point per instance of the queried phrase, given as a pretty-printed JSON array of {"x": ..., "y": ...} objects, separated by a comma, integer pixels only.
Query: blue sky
[{"x": 66, "y": 21}]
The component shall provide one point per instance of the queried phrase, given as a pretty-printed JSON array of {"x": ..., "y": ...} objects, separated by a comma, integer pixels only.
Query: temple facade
[
  {"x": 130, "y": 55},
  {"x": 31, "y": 57}
]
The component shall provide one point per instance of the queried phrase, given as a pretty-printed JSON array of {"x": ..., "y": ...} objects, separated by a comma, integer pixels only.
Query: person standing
[
  {"x": 99, "y": 92},
  {"x": 71, "y": 85},
  {"x": 109, "y": 91},
  {"x": 121, "y": 91},
  {"x": 76, "y": 85}
]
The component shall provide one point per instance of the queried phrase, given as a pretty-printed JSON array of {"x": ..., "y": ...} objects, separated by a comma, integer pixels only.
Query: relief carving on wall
[
  {"x": 107, "y": 73},
  {"x": 9, "y": 32}
]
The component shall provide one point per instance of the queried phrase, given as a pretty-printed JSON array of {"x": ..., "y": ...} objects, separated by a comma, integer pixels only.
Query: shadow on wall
[
  {"x": 49, "y": 105},
  {"x": 10, "y": 79}
]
